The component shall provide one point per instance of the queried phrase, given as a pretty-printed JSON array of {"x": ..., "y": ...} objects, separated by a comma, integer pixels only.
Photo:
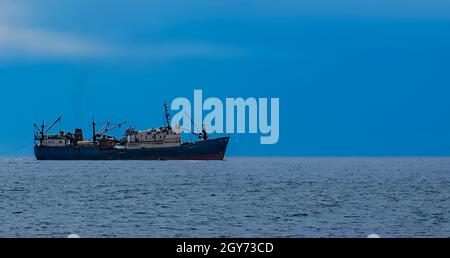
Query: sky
[{"x": 354, "y": 77}]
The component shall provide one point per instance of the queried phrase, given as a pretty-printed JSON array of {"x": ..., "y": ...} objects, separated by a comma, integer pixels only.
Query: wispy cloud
[
  {"x": 7, "y": 11},
  {"x": 20, "y": 40},
  {"x": 179, "y": 49},
  {"x": 27, "y": 42}
]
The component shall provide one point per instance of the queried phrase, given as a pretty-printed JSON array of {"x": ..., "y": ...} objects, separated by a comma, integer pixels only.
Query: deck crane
[
  {"x": 42, "y": 130},
  {"x": 106, "y": 128}
]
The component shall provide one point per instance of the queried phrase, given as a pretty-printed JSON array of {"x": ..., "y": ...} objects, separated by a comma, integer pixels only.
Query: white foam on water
[
  {"x": 73, "y": 236},
  {"x": 373, "y": 236}
]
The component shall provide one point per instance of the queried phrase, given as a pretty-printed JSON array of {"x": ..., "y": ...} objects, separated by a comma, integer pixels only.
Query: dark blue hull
[{"x": 211, "y": 149}]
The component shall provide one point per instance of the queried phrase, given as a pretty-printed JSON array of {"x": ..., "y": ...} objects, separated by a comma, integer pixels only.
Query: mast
[
  {"x": 204, "y": 133},
  {"x": 167, "y": 115},
  {"x": 94, "y": 136},
  {"x": 42, "y": 132}
]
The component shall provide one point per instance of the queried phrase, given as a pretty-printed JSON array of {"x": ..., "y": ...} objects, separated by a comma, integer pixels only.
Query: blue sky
[{"x": 353, "y": 77}]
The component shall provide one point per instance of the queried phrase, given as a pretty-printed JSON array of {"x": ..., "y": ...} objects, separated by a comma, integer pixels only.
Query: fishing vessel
[{"x": 163, "y": 143}]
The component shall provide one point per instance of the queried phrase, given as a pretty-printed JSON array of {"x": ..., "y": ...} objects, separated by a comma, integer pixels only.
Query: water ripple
[{"x": 241, "y": 197}]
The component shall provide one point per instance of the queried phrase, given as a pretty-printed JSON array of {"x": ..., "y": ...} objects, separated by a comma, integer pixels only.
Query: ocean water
[{"x": 240, "y": 197}]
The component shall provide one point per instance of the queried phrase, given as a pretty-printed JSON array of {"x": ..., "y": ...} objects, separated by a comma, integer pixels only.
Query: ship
[{"x": 163, "y": 143}]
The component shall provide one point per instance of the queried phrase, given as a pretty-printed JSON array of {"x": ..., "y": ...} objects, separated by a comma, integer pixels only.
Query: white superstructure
[{"x": 153, "y": 138}]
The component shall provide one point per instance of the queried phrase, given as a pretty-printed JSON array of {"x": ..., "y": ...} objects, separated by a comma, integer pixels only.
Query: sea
[{"x": 239, "y": 197}]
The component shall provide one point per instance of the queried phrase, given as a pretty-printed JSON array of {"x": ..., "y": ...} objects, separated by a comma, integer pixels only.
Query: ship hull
[{"x": 211, "y": 149}]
